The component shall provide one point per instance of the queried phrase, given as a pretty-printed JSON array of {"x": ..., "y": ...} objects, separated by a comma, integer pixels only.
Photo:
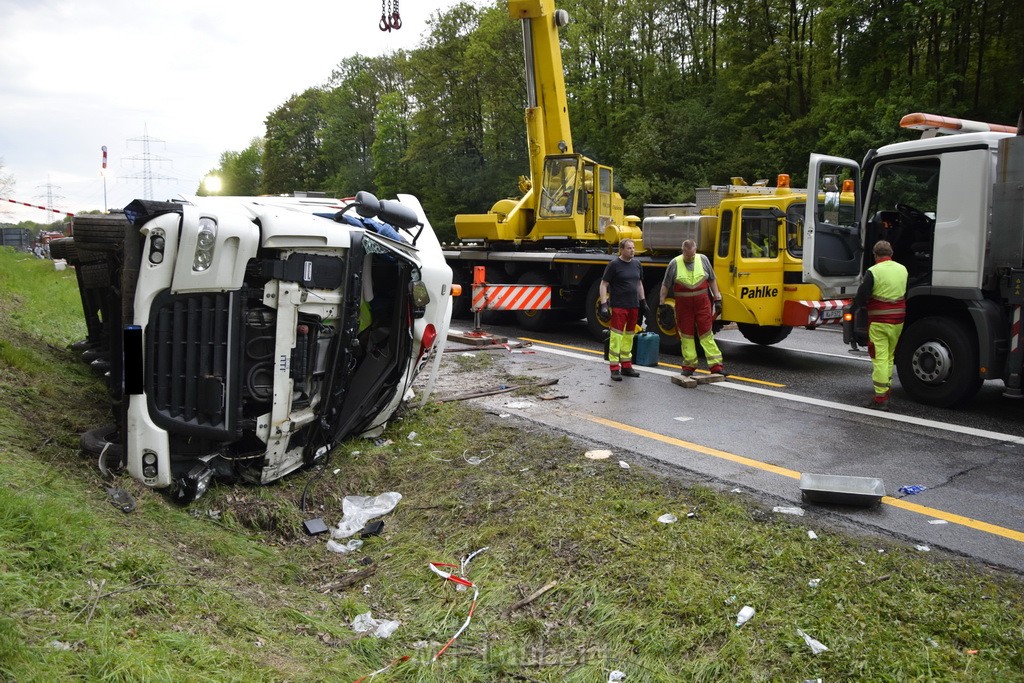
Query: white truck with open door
[{"x": 952, "y": 205}]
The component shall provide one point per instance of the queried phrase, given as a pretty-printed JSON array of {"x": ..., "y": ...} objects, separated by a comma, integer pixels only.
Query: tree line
[{"x": 674, "y": 94}]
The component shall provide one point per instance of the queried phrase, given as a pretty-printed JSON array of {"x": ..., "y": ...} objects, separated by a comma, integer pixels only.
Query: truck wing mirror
[{"x": 389, "y": 211}]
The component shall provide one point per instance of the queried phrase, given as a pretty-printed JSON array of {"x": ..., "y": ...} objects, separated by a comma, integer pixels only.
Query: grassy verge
[{"x": 231, "y": 589}]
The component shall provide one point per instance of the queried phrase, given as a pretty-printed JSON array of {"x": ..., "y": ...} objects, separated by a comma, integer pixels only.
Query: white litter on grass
[
  {"x": 517, "y": 405},
  {"x": 383, "y": 628},
  {"x": 623, "y": 464},
  {"x": 474, "y": 459},
  {"x": 814, "y": 583},
  {"x": 745, "y": 615},
  {"x": 799, "y": 512},
  {"x": 336, "y": 471},
  {"x": 60, "y": 645},
  {"x": 862, "y": 563},
  {"x": 937, "y": 521},
  {"x": 412, "y": 436},
  {"x": 616, "y": 677},
  {"x": 598, "y": 455},
  {"x": 811, "y": 535},
  {"x": 668, "y": 518},
  {"x": 923, "y": 548},
  {"x": 358, "y": 510},
  {"x": 736, "y": 491},
  {"x": 815, "y": 645},
  {"x": 343, "y": 548}
]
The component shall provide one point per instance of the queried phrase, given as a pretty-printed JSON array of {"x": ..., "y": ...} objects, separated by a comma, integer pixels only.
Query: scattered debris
[
  {"x": 365, "y": 623},
  {"x": 731, "y": 599},
  {"x": 551, "y": 398},
  {"x": 315, "y": 526},
  {"x": 745, "y": 615},
  {"x": 816, "y": 646},
  {"x": 519, "y": 405},
  {"x": 122, "y": 500},
  {"x": 372, "y": 529},
  {"x": 912, "y": 490},
  {"x": 814, "y": 583},
  {"x": 789, "y": 510},
  {"x": 531, "y": 597},
  {"x": 841, "y": 489},
  {"x": 60, "y": 645},
  {"x": 616, "y": 677},
  {"x": 500, "y": 390},
  {"x": 343, "y": 548},
  {"x": 358, "y": 510},
  {"x": 598, "y": 455},
  {"x": 668, "y": 518},
  {"x": 475, "y": 459},
  {"x": 937, "y": 521},
  {"x": 736, "y": 490},
  {"x": 811, "y": 535},
  {"x": 382, "y": 442},
  {"x": 412, "y": 436},
  {"x": 353, "y": 576},
  {"x": 923, "y": 548},
  {"x": 623, "y": 464},
  {"x": 459, "y": 581}
]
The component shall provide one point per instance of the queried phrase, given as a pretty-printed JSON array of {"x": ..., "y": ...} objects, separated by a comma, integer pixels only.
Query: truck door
[
  {"x": 758, "y": 274},
  {"x": 833, "y": 241}
]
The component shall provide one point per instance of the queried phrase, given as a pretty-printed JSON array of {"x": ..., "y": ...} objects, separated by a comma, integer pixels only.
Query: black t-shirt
[{"x": 622, "y": 279}]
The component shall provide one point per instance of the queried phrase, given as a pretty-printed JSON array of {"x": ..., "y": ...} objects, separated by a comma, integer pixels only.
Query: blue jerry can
[{"x": 646, "y": 347}]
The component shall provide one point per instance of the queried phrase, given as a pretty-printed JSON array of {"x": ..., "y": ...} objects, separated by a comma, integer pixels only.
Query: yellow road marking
[
  {"x": 660, "y": 364},
  {"x": 976, "y": 524}
]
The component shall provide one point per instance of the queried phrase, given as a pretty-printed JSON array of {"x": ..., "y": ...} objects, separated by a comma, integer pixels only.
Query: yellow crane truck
[{"x": 565, "y": 227}]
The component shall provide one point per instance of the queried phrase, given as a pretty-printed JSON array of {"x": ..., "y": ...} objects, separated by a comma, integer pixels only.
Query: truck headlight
[{"x": 205, "y": 243}]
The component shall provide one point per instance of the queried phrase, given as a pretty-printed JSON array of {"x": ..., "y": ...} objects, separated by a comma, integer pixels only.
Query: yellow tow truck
[{"x": 565, "y": 226}]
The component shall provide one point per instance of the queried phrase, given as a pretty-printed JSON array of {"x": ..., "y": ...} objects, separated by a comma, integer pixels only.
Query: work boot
[
  {"x": 878, "y": 405},
  {"x": 717, "y": 368},
  {"x": 687, "y": 372},
  {"x": 630, "y": 372},
  {"x": 616, "y": 376}
]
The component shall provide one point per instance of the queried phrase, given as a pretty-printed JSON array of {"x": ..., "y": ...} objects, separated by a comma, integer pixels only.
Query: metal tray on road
[{"x": 840, "y": 489}]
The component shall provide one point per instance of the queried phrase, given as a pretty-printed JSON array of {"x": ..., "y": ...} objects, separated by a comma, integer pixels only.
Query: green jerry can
[{"x": 646, "y": 347}]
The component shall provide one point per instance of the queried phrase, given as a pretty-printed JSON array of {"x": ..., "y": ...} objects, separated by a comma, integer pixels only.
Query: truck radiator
[{"x": 193, "y": 357}]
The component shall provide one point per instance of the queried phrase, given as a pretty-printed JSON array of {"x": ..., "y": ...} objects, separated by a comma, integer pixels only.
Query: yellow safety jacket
[
  {"x": 690, "y": 282},
  {"x": 888, "y": 303}
]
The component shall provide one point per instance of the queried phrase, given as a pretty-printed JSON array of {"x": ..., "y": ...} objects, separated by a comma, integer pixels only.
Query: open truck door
[{"x": 833, "y": 239}]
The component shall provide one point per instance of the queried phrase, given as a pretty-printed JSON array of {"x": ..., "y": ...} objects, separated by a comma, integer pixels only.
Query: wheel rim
[{"x": 932, "y": 362}]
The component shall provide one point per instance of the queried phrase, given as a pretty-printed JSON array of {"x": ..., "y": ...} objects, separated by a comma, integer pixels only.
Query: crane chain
[{"x": 389, "y": 16}]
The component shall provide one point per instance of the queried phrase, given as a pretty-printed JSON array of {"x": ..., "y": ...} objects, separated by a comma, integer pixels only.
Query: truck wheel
[
  {"x": 668, "y": 340},
  {"x": 535, "y": 321},
  {"x": 103, "y": 441},
  {"x": 100, "y": 232},
  {"x": 937, "y": 362},
  {"x": 595, "y": 327},
  {"x": 765, "y": 335}
]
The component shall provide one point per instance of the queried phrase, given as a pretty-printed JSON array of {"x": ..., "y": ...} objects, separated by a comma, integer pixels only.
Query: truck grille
[{"x": 192, "y": 363}]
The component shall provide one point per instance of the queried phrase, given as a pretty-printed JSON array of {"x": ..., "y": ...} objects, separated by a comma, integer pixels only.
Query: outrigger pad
[{"x": 692, "y": 382}]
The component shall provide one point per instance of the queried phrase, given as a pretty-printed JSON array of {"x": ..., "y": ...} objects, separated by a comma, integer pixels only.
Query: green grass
[{"x": 230, "y": 589}]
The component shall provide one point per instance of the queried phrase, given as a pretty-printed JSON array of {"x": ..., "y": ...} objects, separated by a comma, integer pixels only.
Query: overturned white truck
[{"x": 259, "y": 332}]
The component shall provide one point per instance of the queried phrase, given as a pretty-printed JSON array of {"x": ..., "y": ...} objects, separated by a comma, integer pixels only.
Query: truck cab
[{"x": 933, "y": 199}]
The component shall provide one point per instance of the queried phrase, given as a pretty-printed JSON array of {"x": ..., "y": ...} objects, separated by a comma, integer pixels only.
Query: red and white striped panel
[
  {"x": 1015, "y": 330},
  {"x": 511, "y": 297},
  {"x": 813, "y": 313}
]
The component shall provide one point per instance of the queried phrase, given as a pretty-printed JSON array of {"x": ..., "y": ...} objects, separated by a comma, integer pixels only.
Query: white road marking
[
  {"x": 821, "y": 403},
  {"x": 683, "y": 418}
]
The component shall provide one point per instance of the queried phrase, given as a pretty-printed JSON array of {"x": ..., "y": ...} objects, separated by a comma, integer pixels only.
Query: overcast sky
[{"x": 198, "y": 77}]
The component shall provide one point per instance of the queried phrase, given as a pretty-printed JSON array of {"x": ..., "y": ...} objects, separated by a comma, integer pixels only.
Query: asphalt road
[{"x": 797, "y": 408}]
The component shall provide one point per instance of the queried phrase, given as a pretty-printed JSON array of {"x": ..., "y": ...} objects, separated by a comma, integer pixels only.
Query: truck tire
[
  {"x": 95, "y": 275},
  {"x": 58, "y": 248},
  {"x": 101, "y": 232},
  {"x": 535, "y": 321},
  {"x": 668, "y": 340},
  {"x": 765, "y": 335},
  {"x": 595, "y": 328},
  {"x": 105, "y": 438},
  {"x": 937, "y": 362}
]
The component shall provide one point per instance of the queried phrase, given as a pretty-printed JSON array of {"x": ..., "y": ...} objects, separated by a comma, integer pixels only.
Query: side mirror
[{"x": 387, "y": 210}]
